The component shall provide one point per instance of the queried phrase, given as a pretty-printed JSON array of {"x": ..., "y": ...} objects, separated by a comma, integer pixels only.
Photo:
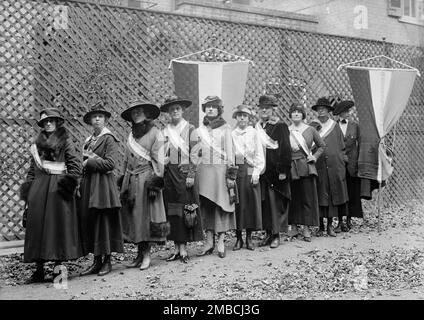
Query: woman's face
[
  {"x": 242, "y": 119},
  {"x": 265, "y": 112},
  {"x": 345, "y": 114},
  {"x": 98, "y": 121},
  {"x": 211, "y": 110},
  {"x": 137, "y": 115},
  {"x": 322, "y": 112},
  {"x": 50, "y": 124},
  {"x": 176, "y": 112},
  {"x": 296, "y": 116}
]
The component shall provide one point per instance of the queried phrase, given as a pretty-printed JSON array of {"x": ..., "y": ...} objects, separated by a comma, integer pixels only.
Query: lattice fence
[{"x": 69, "y": 53}]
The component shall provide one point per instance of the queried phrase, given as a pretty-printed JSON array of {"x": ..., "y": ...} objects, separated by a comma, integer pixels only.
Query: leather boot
[
  {"x": 339, "y": 227},
  {"x": 38, "y": 274},
  {"x": 330, "y": 228},
  {"x": 106, "y": 267},
  {"x": 306, "y": 234},
  {"x": 321, "y": 230},
  {"x": 239, "y": 242},
  {"x": 94, "y": 268},
  {"x": 275, "y": 241},
  {"x": 137, "y": 261},
  {"x": 349, "y": 223},
  {"x": 267, "y": 240},
  {"x": 249, "y": 244}
]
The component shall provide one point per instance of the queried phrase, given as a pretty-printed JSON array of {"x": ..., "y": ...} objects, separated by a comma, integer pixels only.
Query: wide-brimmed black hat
[
  {"x": 97, "y": 107},
  {"x": 150, "y": 107},
  {"x": 343, "y": 106},
  {"x": 323, "y": 102},
  {"x": 49, "y": 113},
  {"x": 169, "y": 101}
]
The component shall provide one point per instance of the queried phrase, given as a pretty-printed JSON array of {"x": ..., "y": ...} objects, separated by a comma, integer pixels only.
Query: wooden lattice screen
[{"x": 68, "y": 53}]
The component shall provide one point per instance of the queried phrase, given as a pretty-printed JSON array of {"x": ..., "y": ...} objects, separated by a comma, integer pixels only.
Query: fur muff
[
  {"x": 155, "y": 183},
  {"x": 50, "y": 146},
  {"x": 160, "y": 230},
  {"x": 67, "y": 186},
  {"x": 232, "y": 172},
  {"x": 24, "y": 190}
]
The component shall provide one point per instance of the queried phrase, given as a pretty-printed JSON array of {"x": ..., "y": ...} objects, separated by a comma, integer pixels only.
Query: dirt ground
[{"x": 360, "y": 264}]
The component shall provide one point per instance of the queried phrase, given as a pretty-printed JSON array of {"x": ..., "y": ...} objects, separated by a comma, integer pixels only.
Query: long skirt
[
  {"x": 249, "y": 208},
  {"x": 175, "y": 196},
  {"x": 304, "y": 207},
  {"x": 52, "y": 230},
  {"x": 275, "y": 209},
  {"x": 214, "y": 218},
  {"x": 354, "y": 191},
  {"x": 102, "y": 231}
]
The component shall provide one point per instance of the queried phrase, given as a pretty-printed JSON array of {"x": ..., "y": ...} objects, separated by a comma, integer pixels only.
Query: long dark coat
[
  {"x": 332, "y": 163},
  {"x": 279, "y": 160},
  {"x": 52, "y": 232},
  {"x": 100, "y": 218}
]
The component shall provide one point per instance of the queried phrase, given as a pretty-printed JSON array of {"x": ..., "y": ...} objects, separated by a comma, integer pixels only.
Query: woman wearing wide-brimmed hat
[
  {"x": 143, "y": 209},
  {"x": 249, "y": 157},
  {"x": 180, "y": 194},
  {"x": 304, "y": 208},
  {"x": 331, "y": 186},
  {"x": 52, "y": 230},
  {"x": 100, "y": 218},
  {"x": 216, "y": 173}
]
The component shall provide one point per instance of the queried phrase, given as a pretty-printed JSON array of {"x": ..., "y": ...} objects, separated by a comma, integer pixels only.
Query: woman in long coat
[
  {"x": 179, "y": 178},
  {"x": 143, "y": 209},
  {"x": 249, "y": 157},
  {"x": 100, "y": 219},
  {"x": 52, "y": 231},
  {"x": 304, "y": 208},
  {"x": 216, "y": 174}
]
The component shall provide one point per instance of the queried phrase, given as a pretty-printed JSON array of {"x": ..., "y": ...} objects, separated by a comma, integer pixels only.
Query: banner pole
[{"x": 379, "y": 208}]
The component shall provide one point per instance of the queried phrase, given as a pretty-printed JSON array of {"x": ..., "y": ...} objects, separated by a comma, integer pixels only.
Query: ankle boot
[
  {"x": 320, "y": 232},
  {"x": 106, "y": 267},
  {"x": 37, "y": 275},
  {"x": 249, "y": 244},
  {"x": 275, "y": 241},
  {"x": 267, "y": 240},
  {"x": 330, "y": 229},
  {"x": 209, "y": 245},
  {"x": 349, "y": 223},
  {"x": 221, "y": 243},
  {"x": 94, "y": 268},
  {"x": 239, "y": 242},
  {"x": 137, "y": 261},
  {"x": 339, "y": 227}
]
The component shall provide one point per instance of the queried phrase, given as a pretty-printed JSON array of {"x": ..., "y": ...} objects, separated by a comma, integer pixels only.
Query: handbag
[{"x": 190, "y": 211}]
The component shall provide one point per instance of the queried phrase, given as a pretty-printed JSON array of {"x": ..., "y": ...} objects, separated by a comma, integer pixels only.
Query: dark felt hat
[
  {"x": 268, "y": 100},
  {"x": 212, "y": 100},
  {"x": 97, "y": 107},
  {"x": 343, "y": 106},
  {"x": 169, "y": 101},
  {"x": 49, "y": 113},
  {"x": 323, "y": 102},
  {"x": 148, "y": 106}
]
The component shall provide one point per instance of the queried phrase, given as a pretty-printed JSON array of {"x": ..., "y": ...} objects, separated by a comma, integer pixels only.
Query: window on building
[{"x": 410, "y": 11}]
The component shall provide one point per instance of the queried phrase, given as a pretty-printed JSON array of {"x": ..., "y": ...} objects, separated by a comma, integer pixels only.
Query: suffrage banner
[
  {"x": 381, "y": 95},
  {"x": 195, "y": 80}
]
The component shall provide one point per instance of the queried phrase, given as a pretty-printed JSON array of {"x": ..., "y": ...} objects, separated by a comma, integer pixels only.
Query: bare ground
[{"x": 361, "y": 264}]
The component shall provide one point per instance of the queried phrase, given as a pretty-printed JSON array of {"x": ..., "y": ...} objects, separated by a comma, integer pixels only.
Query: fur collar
[
  {"x": 50, "y": 146},
  {"x": 140, "y": 129},
  {"x": 215, "y": 122}
]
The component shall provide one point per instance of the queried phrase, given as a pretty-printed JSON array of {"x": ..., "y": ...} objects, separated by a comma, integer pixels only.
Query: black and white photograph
[{"x": 215, "y": 155}]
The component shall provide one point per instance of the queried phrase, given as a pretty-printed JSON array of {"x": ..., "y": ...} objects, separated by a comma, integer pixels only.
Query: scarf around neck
[
  {"x": 214, "y": 122},
  {"x": 140, "y": 129}
]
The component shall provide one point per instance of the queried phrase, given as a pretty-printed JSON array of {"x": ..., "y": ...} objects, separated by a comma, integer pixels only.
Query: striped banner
[
  {"x": 195, "y": 80},
  {"x": 381, "y": 96}
]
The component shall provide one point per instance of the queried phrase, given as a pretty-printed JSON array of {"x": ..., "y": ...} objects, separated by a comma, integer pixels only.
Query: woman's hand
[
  {"x": 312, "y": 159},
  {"x": 230, "y": 183},
  {"x": 255, "y": 179},
  {"x": 282, "y": 176},
  {"x": 189, "y": 182}
]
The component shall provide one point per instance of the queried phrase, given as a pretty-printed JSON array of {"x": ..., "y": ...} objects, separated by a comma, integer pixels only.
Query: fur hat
[
  {"x": 323, "y": 102},
  {"x": 268, "y": 100},
  {"x": 49, "y": 113},
  {"x": 97, "y": 107},
  {"x": 171, "y": 100},
  {"x": 343, "y": 106},
  {"x": 150, "y": 107},
  {"x": 212, "y": 100}
]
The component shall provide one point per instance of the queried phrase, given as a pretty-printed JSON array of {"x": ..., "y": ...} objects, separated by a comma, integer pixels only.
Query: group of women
[{"x": 180, "y": 183}]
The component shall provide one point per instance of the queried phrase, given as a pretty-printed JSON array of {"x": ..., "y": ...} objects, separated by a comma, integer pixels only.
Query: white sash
[
  {"x": 239, "y": 143},
  {"x": 51, "y": 167},
  {"x": 174, "y": 135},
  {"x": 298, "y": 137},
  {"x": 204, "y": 136},
  {"x": 90, "y": 153},
  {"x": 137, "y": 149},
  {"x": 326, "y": 128},
  {"x": 265, "y": 139}
]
